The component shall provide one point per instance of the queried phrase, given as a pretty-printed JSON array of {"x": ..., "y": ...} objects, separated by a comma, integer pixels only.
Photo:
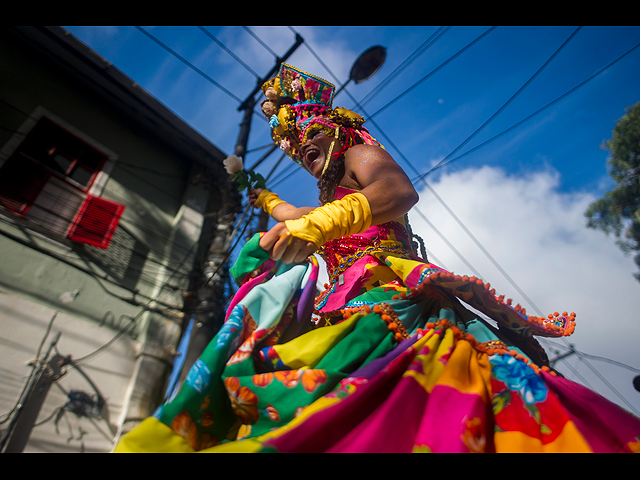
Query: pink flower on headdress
[
  {"x": 285, "y": 144},
  {"x": 296, "y": 84},
  {"x": 312, "y": 87},
  {"x": 326, "y": 95}
]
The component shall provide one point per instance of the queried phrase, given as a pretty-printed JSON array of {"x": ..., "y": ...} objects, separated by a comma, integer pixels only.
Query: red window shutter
[{"x": 96, "y": 221}]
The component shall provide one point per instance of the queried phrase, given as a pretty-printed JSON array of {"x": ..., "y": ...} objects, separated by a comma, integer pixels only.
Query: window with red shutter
[
  {"x": 96, "y": 221},
  {"x": 46, "y": 181}
]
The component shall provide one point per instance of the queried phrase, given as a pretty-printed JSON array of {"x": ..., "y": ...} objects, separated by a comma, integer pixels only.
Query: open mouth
[{"x": 311, "y": 156}]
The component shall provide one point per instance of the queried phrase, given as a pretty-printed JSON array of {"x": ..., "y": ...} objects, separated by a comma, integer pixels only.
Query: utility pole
[
  {"x": 19, "y": 430},
  {"x": 207, "y": 323}
]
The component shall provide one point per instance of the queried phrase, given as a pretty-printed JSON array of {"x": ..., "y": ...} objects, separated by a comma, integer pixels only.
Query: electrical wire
[
  {"x": 95, "y": 276},
  {"x": 54, "y": 216},
  {"x": 34, "y": 367},
  {"x": 428, "y": 43},
  {"x": 224, "y": 47},
  {"x": 289, "y": 172},
  {"x": 61, "y": 202},
  {"x": 569, "y": 92},
  {"x": 105, "y": 265},
  {"x": 230, "y": 250},
  {"x": 189, "y": 64},
  {"x": 512, "y": 98},
  {"x": 421, "y": 177},
  {"x": 440, "y": 200},
  {"x": 433, "y": 72},
  {"x": 261, "y": 42},
  {"x": 131, "y": 166},
  {"x": 134, "y": 319}
]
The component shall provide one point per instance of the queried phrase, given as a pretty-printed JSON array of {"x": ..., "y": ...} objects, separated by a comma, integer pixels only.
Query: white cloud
[{"x": 537, "y": 234}]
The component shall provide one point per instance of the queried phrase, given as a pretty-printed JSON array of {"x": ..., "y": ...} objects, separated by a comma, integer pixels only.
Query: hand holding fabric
[
  {"x": 281, "y": 245},
  {"x": 294, "y": 240}
]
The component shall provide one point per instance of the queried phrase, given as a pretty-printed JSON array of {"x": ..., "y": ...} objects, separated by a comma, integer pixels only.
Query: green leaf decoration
[
  {"x": 249, "y": 179},
  {"x": 259, "y": 180}
]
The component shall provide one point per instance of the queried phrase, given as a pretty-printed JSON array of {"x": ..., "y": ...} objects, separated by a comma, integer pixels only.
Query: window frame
[{"x": 85, "y": 194}]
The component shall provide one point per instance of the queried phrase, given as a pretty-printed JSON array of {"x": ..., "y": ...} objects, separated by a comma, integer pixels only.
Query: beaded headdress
[{"x": 298, "y": 103}]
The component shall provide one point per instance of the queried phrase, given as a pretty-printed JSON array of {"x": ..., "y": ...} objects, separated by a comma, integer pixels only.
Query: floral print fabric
[{"x": 411, "y": 373}]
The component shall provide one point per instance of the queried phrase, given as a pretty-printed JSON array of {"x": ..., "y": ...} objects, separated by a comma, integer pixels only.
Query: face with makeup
[{"x": 314, "y": 153}]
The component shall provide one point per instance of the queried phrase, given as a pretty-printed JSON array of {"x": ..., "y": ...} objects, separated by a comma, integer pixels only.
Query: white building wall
[{"x": 26, "y": 327}]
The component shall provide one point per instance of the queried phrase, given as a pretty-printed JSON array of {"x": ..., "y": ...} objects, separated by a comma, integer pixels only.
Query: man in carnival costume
[
  {"x": 387, "y": 358},
  {"x": 336, "y": 149}
]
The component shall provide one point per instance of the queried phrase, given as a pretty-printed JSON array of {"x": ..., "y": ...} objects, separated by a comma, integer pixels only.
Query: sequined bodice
[{"x": 342, "y": 253}]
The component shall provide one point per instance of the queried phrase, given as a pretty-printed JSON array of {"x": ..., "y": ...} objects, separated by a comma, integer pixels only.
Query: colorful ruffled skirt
[{"x": 401, "y": 370}]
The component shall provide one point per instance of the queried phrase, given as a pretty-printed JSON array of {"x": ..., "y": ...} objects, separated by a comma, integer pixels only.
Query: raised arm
[
  {"x": 388, "y": 189},
  {"x": 274, "y": 206}
]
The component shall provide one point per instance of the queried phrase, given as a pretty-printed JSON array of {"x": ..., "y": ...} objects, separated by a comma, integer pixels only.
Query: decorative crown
[{"x": 298, "y": 102}]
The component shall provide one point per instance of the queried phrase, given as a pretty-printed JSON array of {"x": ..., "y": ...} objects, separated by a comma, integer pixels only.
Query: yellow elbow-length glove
[
  {"x": 268, "y": 201},
  {"x": 348, "y": 216}
]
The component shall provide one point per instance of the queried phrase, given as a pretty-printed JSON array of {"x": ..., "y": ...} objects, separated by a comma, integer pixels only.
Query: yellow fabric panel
[
  {"x": 432, "y": 367},
  {"x": 468, "y": 371},
  {"x": 402, "y": 267},
  {"x": 307, "y": 350},
  {"x": 152, "y": 436}
]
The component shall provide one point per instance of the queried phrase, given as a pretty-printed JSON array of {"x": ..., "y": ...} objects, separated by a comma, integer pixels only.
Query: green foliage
[
  {"x": 618, "y": 212},
  {"x": 249, "y": 179}
]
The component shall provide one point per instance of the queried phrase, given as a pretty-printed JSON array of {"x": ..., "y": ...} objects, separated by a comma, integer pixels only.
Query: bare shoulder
[
  {"x": 381, "y": 180},
  {"x": 361, "y": 158},
  {"x": 369, "y": 159},
  {"x": 367, "y": 152}
]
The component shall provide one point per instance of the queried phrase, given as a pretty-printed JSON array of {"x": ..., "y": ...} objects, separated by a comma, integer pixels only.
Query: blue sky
[{"x": 512, "y": 208}]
